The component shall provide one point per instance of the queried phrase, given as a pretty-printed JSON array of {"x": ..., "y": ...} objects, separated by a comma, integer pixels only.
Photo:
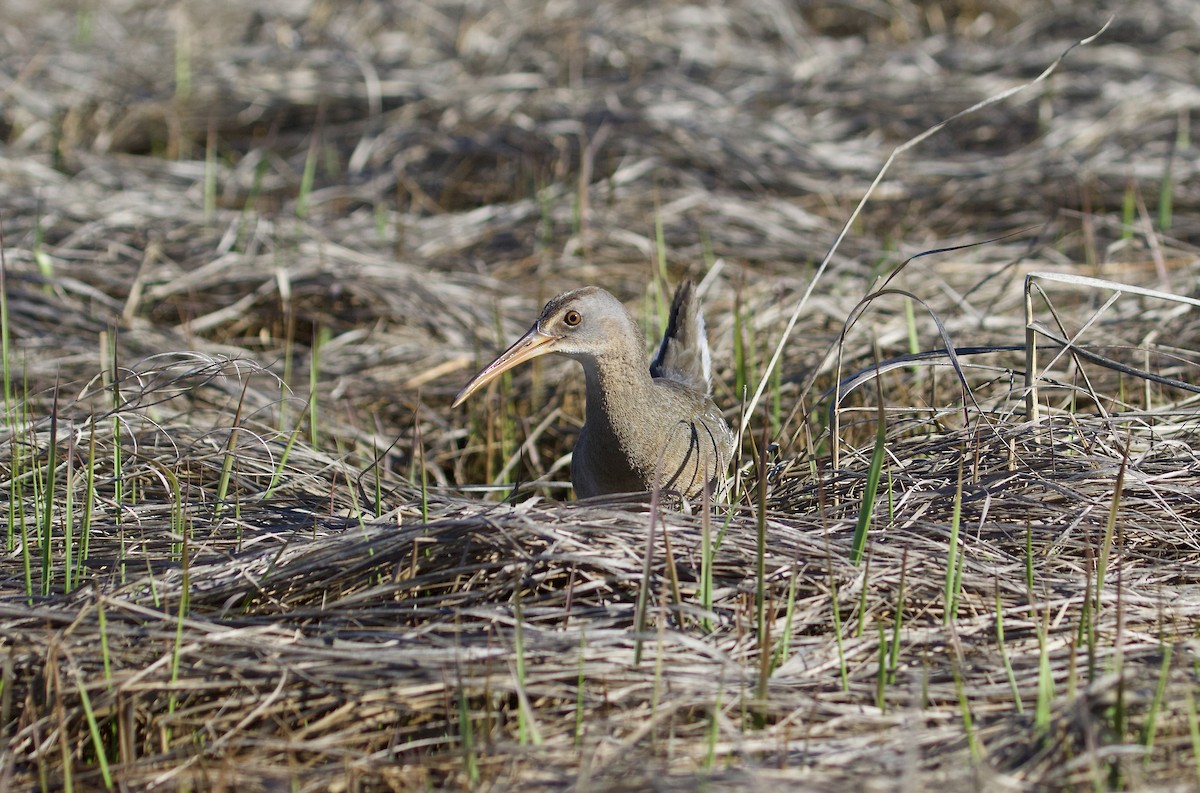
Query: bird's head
[{"x": 584, "y": 324}]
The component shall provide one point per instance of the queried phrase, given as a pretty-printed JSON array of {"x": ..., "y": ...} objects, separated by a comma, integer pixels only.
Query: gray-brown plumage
[{"x": 645, "y": 426}]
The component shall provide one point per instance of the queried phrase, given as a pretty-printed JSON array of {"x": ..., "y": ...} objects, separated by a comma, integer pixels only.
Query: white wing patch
[{"x": 683, "y": 355}]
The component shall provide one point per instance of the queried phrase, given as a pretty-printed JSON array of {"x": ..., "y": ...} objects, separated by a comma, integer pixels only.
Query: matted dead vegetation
[{"x": 252, "y": 250}]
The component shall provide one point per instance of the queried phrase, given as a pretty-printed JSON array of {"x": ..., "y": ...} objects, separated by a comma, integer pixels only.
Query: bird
[{"x": 647, "y": 426}]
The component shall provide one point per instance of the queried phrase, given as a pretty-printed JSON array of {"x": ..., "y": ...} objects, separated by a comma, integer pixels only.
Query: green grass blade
[
  {"x": 898, "y": 623},
  {"x": 953, "y": 564},
  {"x": 1045, "y": 683},
  {"x": 867, "y": 507},
  {"x": 580, "y": 688},
  {"x": 1193, "y": 728},
  {"x": 1004, "y": 659},
  {"x": 1110, "y": 525},
  {"x": 94, "y": 731},
  {"x": 307, "y": 178},
  {"x": 1160, "y": 693},
  {"x": 466, "y": 737},
  {"x": 48, "y": 495},
  {"x": 964, "y": 706}
]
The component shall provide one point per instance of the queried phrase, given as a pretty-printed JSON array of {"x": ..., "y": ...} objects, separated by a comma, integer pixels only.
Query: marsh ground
[{"x": 251, "y": 250}]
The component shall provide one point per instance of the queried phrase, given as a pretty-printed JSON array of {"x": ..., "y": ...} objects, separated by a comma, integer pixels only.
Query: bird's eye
[{"x": 572, "y": 318}]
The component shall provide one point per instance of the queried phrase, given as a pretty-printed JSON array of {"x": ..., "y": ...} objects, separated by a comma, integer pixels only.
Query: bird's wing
[{"x": 683, "y": 355}]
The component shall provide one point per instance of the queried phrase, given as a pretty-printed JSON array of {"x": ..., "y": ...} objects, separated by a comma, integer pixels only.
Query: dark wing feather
[{"x": 683, "y": 354}]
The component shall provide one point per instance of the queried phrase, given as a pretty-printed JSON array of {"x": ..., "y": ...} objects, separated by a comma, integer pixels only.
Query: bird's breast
[{"x": 668, "y": 437}]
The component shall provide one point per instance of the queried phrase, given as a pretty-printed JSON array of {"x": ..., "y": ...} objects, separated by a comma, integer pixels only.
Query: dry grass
[{"x": 288, "y": 586}]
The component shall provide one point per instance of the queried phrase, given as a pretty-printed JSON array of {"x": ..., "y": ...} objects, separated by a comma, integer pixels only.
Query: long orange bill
[{"x": 531, "y": 345}]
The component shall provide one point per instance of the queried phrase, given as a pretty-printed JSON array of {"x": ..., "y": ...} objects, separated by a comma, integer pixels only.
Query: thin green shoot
[
  {"x": 1111, "y": 524},
  {"x": 466, "y": 737},
  {"x": 530, "y": 731},
  {"x": 784, "y": 646},
  {"x": 314, "y": 375},
  {"x": 898, "y": 623},
  {"x": 1119, "y": 711},
  {"x": 419, "y": 454},
  {"x": 17, "y": 502},
  {"x": 283, "y": 283},
  {"x": 964, "y": 706},
  {"x": 332, "y": 162},
  {"x": 307, "y": 178},
  {"x": 958, "y": 574},
  {"x": 179, "y": 522},
  {"x": 740, "y": 363},
  {"x": 48, "y": 495},
  {"x": 527, "y": 730},
  {"x": 210, "y": 173},
  {"x": 891, "y": 495},
  {"x": 183, "y": 61},
  {"x": 867, "y": 507},
  {"x": 1166, "y": 194},
  {"x": 660, "y": 251},
  {"x": 1087, "y": 618},
  {"x": 45, "y": 263},
  {"x": 5, "y": 341},
  {"x": 837, "y": 628},
  {"x": 102, "y": 625},
  {"x": 1160, "y": 692},
  {"x": 510, "y": 441},
  {"x": 1028, "y": 556},
  {"x": 85, "y": 18},
  {"x": 1004, "y": 659},
  {"x": 707, "y": 254},
  {"x": 776, "y": 400},
  {"x": 1045, "y": 682},
  {"x": 952, "y": 552},
  {"x": 380, "y": 216},
  {"x": 881, "y": 674},
  {"x": 182, "y": 613},
  {"x": 68, "y": 522},
  {"x": 914, "y": 338},
  {"x": 1193, "y": 728},
  {"x": 706, "y": 563},
  {"x": 714, "y": 728},
  {"x": 67, "y": 773},
  {"x": 761, "y": 698},
  {"x": 641, "y": 606},
  {"x": 672, "y": 576},
  {"x": 281, "y": 466},
  {"x": 660, "y": 646},
  {"x": 250, "y": 207},
  {"x": 377, "y": 483},
  {"x": 580, "y": 688},
  {"x": 760, "y": 570},
  {"x": 108, "y": 363},
  {"x": 1128, "y": 211},
  {"x": 862, "y": 600},
  {"x": 94, "y": 730},
  {"x": 152, "y": 582},
  {"x": 230, "y": 454},
  {"x": 356, "y": 511}
]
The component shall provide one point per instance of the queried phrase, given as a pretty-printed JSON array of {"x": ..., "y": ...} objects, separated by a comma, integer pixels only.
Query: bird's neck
[{"x": 617, "y": 386}]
